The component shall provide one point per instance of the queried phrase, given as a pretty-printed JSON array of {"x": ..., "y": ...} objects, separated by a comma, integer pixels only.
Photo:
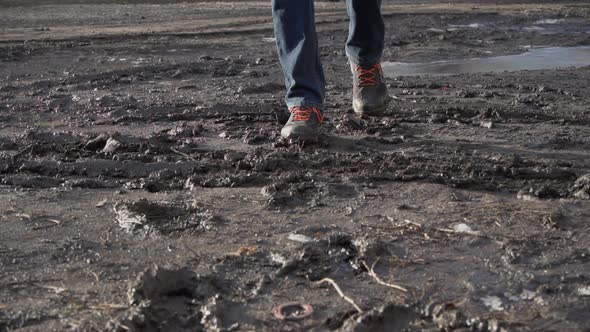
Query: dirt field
[{"x": 144, "y": 185}]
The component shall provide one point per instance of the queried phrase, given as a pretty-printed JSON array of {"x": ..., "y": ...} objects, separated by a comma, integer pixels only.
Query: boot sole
[
  {"x": 296, "y": 139},
  {"x": 365, "y": 110},
  {"x": 306, "y": 138}
]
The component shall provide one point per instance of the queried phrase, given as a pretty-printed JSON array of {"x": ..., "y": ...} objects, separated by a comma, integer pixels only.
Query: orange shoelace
[
  {"x": 368, "y": 76},
  {"x": 304, "y": 113}
]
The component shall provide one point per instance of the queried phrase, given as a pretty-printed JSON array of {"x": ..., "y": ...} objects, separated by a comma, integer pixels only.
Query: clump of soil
[{"x": 581, "y": 188}]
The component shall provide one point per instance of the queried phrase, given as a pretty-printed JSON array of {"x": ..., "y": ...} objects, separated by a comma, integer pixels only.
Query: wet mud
[{"x": 144, "y": 185}]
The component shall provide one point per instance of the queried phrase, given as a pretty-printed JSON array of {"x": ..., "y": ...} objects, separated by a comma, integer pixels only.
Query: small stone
[
  {"x": 487, "y": 124},
  {"x": 101, "y": 203},
  {"x": 111, "y": 146},
  {"x": 348, "y": 211},
  {"x": 464, "y": 228},
  {"x": 584, "y": 291},
  {"x": 493, "y": 302},
  {"x": 299, "y": 238}
]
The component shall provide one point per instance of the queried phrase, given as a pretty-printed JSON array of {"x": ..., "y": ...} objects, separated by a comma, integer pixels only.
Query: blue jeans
[{"x": 297, "y": 44}]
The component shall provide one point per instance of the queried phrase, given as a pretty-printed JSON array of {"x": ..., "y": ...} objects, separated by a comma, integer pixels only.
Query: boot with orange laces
[
  {"x": 369, "y": 92},
  {"x": 303, "y": 125}
]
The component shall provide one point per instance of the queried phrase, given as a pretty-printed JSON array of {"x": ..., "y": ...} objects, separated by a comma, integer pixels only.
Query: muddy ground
[{"x": 144, "y": 186}]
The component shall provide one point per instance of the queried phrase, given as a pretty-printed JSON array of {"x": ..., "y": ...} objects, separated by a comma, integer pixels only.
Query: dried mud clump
[
  {"x": 581, "y": 188},
  {"x": 537, "y": 193},
  {"x": 159, "y": 217}
]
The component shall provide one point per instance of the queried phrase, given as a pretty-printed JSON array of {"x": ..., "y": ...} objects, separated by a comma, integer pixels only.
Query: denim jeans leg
[
  {"x": 298, "y": 50},
  {"x": 366, "y": 32}
]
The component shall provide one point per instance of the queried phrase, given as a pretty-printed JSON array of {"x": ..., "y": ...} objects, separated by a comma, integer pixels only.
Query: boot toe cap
[{"x": 300, "y": 133}]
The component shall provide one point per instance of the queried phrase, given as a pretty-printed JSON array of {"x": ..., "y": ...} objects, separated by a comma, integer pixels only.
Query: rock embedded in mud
[
  {"x": 111, "y": 146},
  {"x": 487, "y": 124},
  {"x": 299, "y": 238}
]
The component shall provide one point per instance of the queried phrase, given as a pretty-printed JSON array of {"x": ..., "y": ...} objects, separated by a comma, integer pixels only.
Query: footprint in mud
[
  {"x": 161, "y": 217},
  {"x": 389, "y": 318},
  {"x": 176, "y": 300}
]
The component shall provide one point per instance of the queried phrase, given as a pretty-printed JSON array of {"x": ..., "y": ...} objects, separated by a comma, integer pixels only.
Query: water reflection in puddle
[
  {"x": 534, "y": 59},
  {"x": 550, "y": 26}
]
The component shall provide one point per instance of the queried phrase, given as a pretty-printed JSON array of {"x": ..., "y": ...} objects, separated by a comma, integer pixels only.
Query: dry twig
[
  {"x": 57, "y": 290},
  {"x": 337, "y": 288},
  {"x": 380, "y": 281},
  {"x": 54, "y": 222},
  {"x": 440, "y": 230},
  {"x": 109, "y": 306},
  {"x": 184, "y": 155}
]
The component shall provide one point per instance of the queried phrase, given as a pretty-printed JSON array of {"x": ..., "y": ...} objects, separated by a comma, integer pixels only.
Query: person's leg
[
  {"x": 364, "y": 49},
  {"x": 297, "y": 45},
  {"x": 299, "y": 55},
  {"x": 366, "y": 33}
]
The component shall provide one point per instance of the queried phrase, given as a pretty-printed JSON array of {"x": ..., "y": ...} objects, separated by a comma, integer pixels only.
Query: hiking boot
[
  {"x": 303, "y": 125},
  {"x": 369, "y": 92}
]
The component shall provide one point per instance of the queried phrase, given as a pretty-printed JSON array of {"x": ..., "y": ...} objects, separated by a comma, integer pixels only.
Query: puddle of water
[
  {"x": 549, "y": 26},
  {"x": 556, "y": 29},
  {"x": 471, "y": 26},
  {"x": 534, "y": 59},
  {"x": 550, "y": 21}
]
